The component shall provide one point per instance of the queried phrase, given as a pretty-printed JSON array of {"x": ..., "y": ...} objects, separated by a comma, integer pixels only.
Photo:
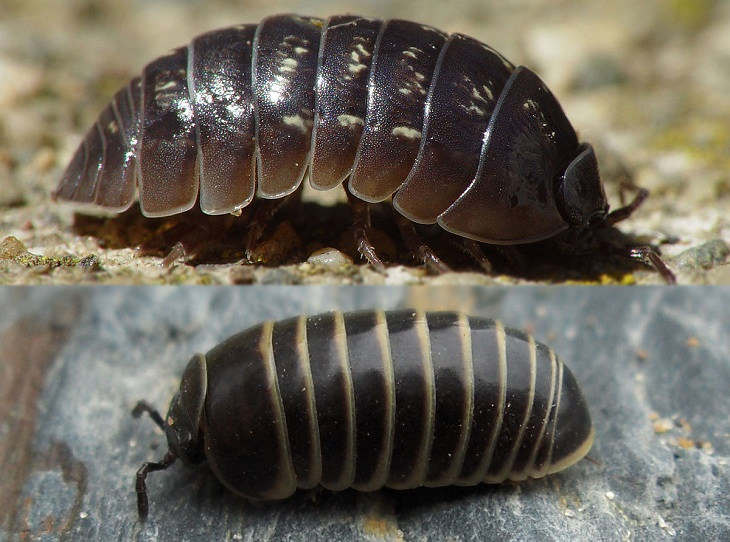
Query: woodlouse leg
[
  {"x": 420, "y": 249},
  {"x": 162, "y": 240},
  {"x": 474, "y": 249},
  {"x": 189, "y": 236},
  {"x": 649, "y": 256},
  {"x": 514, "y": 257},
  {"x": 187, "y": 246},
  {"x": 178, "y": 251},
  {"x": 360, "y": 227},
  {"x": 265, "y": 211}
]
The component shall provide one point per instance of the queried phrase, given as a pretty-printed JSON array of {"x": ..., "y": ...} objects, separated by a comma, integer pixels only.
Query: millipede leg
[
  {"x": 360, "y": 228},
  {"x": 420, "y": 249},
  {"x": 143, "y": 505}
]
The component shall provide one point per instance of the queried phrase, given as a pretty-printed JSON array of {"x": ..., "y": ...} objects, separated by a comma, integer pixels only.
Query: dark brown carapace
[{"x": 442, "y": 125}]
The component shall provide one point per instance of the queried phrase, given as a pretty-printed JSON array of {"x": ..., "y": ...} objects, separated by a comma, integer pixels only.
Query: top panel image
[{"x": 419, "y": 143}]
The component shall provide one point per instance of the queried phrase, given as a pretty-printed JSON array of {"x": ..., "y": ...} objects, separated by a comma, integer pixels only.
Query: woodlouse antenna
[{"x": 622, "y": 213}]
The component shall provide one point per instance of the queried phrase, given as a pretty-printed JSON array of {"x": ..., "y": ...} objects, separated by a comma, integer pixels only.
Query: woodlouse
[
  {"x": 443, "y": 124},
  {"x": 373, "y": 399}
]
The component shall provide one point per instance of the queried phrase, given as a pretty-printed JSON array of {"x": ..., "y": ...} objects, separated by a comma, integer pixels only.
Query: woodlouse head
[{"x": 579, "y": 193}]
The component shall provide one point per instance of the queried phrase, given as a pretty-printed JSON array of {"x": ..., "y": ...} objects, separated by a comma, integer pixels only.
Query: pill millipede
[{"x": 373, "y": 399}]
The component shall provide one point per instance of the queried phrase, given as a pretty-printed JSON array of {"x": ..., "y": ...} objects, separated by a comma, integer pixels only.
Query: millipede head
[{"x": 181, "y": 427}]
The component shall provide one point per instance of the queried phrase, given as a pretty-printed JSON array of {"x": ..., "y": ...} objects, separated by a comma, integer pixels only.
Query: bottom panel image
[{"x": 365, "y": 413}]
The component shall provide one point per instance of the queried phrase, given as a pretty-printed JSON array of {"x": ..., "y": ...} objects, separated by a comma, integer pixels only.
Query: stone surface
[{"x": 653, "y": 364}]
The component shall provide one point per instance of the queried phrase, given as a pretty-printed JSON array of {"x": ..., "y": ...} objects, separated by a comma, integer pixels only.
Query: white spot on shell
[
  {"x": 168, "y": 95},
  {"x": 406, "y": 131},
  {"x": 356, "y": 68},
  {"x": 412, "y": 52},
  {"x": 475, "y": 109},
  {"x": 277, "y": 89},
  {"x": 487, "y": 92},
  {"x": 297, "y": 121},
  {"x": 167, "y": 85},
  {"x": 350, "y": 120},
  {"x": 360, "y": 49},
  {"x": 289, "y": 65},
  {"x": 300, "y": 50}
]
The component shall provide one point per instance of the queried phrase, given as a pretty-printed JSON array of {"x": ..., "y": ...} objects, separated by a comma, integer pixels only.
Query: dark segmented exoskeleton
[
  {"x": 443, "y": 124},
  {"x": 374, "y": 399}
]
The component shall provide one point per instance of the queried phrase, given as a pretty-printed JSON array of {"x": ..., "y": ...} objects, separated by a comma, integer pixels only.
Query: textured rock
[{"x": 653, "y": 364}]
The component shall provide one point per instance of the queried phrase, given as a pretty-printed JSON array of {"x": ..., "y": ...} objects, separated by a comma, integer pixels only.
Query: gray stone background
[
  {"x": 653, "y": 364},
  {"x": 645, "y": 82}
]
